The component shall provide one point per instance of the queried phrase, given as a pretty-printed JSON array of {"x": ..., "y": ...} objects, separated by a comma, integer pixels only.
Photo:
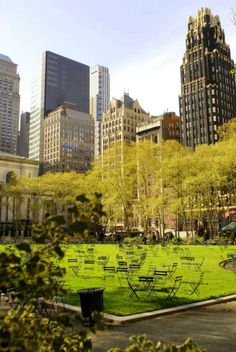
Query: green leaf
[
  {"x": 58, "y": 219},
  {"x": 24, "y": 247},
  {"x": 82, "y": 198},
  {"x": 78, "y": 226}
]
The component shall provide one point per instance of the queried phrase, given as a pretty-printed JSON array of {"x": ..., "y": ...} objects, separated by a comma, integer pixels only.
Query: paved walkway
[{"x": 212, "y": 327}]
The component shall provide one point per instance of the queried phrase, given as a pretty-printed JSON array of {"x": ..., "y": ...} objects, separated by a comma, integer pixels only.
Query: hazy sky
[{"x": 141, "y": 41}]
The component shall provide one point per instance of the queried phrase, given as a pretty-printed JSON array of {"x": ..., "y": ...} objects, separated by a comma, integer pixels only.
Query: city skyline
[{"x": 142, "y": 44}]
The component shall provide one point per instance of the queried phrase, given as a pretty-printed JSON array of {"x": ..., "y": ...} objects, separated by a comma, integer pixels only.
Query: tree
[
  {"x": 31, "y": 273},
  {"x": 117, "y": 168}
]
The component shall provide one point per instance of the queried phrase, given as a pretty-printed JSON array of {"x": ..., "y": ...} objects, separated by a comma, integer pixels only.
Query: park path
[{"x": 212, "y": 327}]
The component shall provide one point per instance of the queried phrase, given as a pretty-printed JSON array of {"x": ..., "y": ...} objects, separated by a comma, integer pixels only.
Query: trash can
[{"x": 91, "y": 300}]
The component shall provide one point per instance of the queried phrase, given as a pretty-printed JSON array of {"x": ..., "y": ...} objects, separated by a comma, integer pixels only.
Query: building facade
[
  {"x": 15, "y": 213},
  {"x": 120, "y": 121},
  {"x": 68, "y": 140},
  {"x": 23, "y": 135},
  {"x": 208, "y": 93},
  {"x": 99, "y": 100},
  {"x": 61, "y": 80},
  {"x": 160, "y": 128},
  {"x": 9, "y": 105}
]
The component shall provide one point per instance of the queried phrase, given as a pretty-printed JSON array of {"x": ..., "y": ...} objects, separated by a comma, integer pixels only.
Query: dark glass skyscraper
[
  {"x": 208, "y": 93},
  {"x": 66, "y": 81},
  {"x": 61, "y": 80}
]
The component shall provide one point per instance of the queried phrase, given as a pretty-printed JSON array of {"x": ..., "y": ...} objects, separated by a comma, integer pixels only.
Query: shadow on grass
[{"x": 119, "y": 302}]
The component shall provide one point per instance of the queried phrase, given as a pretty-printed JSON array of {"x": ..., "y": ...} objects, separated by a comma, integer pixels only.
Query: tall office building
[
  {"x": 120, "y": 121},
  {"x": 9, "y": 105},
  {"x": 61, "y": 80},
  {"x": 68, "y": 140},
  {"x": 99, "y": 100},
  {"x": 23, "y": 135},
  {"x": 208, "y": 93}
]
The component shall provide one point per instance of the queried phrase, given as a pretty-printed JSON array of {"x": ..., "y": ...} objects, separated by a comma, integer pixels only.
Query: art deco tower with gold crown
[{"x": 208, "y": 92}]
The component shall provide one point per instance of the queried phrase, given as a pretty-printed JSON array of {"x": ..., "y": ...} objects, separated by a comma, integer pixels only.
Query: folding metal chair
[
  {"x": 194, "y": 285},
  {"x": 172, "y": 290},
  {"x": 109, "y": 273},
  {"x": 88, "y": 267},
  {"x": 75, "y": 269},
  {"x": 143, "y": 285},
  {"x": 134, "y": 269},
  {"x": 102, "y": 261},
  {"x": 171, "y": 270},
  {"x": 198, "y": 265},
  {"x": 160, "y": 275},
  {"x": 122, "y": 264},
  {"x": 121, "y": 274}
]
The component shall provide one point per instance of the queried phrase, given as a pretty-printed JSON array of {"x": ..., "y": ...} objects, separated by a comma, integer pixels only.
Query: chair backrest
[
  {"x": 122, "y": 264},
  {"x": 160, "y": 276},
  {"x": 109, "y": 268},
  {"x": 102, "y": 260},
  {"x": 162, "y": 273},
  {"x": 177, "y": 283},
  {"x": 146, "y": 279},
  {"x": 178, "y": 279},
  {"x": 134, "y": 267},
  {"x": 187, "y": 258},
  {"x": 89, "y": 262},
  {"x": 122, "y": 269},
  {"x": 173, "y": 267}
]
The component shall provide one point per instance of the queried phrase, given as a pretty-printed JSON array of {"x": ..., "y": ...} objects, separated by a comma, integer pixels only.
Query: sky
[{"x": 141, "y": 41}]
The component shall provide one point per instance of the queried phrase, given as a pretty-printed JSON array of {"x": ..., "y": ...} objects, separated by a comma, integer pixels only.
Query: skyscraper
[
  {"x": 23, "y": 135},
  {"x": 120, "y": 121},
  {"x": 68, "y": 140},
  {"x": 99, "y": 100},
  {"x": 9, "y": 105},
  {"x": 61, "y": 80},
  {"x": 208, "y": 93}
]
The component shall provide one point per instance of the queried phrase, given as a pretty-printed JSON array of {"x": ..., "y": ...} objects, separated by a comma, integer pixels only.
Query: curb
[{"x": 118, "y": 320}]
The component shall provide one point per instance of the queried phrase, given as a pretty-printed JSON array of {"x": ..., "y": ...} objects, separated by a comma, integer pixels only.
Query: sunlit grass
[{"x": 218, "y": 282}]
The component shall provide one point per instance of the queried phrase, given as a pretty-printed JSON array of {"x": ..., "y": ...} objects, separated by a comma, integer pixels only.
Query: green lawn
[{"x": 217, "y": 281}]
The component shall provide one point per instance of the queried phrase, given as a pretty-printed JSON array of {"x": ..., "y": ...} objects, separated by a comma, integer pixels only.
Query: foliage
[
  {"x": 143, "y": 344},
  {"x": 31, "y": 275},
  {"x": 194, "y": 188},
  {"x": 23, "y": 330}
]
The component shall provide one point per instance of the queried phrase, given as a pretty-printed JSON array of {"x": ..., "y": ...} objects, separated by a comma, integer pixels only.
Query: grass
[{"x": 217, "y": 281}]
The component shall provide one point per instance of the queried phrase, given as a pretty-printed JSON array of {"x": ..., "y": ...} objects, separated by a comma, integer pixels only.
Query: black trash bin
[{"x": 91, "y": 300}]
